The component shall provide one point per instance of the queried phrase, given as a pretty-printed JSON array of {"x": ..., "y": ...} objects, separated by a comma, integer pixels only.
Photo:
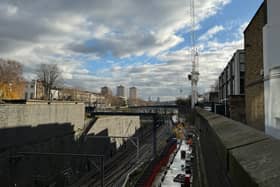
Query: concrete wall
[
  {"x": 254, "y": 86},
  {"x": 235, "y": 154},
  {"x": 272, "y": 69},
  {"x": 36, "y": 171},
  {"x": 17, "y": 170},
  {"x": 15, "y": 115},
  {"x": 116, "y": 126}
]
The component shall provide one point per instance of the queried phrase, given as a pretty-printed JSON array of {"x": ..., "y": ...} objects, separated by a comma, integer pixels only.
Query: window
[
  {"x": 32, "y": 86},
  {"x": 232, "y": 68},
  {"x": 32, "y": 96},
  {"x": 242, "y": 86},
  {"x": 26, "y": 95},
  {"x": 242, "y": 75},
  {"x": 242, "y": 57},
  {"x": 242, "y": 67},
  {"x": 231, "y": 87}
]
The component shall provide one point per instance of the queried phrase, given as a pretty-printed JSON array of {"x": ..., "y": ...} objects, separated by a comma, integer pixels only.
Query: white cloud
[
  {"x": 72, "y": 32},
  {"x": 8, "y": 9},
  {"x": 168, "y": 78},
  {"x": 151, "y": 24},
  {"x": 211, "y": 33}
]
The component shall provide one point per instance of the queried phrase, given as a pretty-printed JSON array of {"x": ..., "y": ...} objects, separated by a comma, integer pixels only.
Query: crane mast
[{"x": 194, "y": 75}]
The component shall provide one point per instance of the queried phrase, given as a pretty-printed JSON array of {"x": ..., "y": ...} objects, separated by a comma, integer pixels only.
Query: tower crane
[{"x": 194, "y": 75}]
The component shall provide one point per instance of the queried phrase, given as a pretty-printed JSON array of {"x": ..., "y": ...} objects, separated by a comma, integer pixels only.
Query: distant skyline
[{"x": 135, "y": 43}]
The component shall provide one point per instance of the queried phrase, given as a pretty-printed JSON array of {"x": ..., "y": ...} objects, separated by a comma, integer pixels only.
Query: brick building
[{"x": 254, "y": 85}]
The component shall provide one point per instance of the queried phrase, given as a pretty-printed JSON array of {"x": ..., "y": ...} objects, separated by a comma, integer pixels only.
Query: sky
[{"x": 141, "y": 43}]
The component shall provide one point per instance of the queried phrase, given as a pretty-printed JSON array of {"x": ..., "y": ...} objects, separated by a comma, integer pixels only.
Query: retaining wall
[
  {"x": 15, "y": 115},
  {"x": 235, "y": 154},
  {"x": 116, "y": 126}
]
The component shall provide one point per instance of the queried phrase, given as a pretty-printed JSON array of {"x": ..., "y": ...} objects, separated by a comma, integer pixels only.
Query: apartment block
[
  {"x": 133, "y": 93},
  {"x": 231, "y": 80},
  {"x": 120, "y": 91}
]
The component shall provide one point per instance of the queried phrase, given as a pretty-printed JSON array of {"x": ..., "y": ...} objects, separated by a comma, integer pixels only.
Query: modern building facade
[
  {"x": 212, "y": 96},
  {"x": 231, "y": 80},
  {"x": 231, "y": 88},
  {"x": 254, "y": 84},
  {"x": 271, "y": 50},
  {"x": 121, "y": 91},
  {"x": 133, "y": 93},
  {"x": 106, "y": 91}
]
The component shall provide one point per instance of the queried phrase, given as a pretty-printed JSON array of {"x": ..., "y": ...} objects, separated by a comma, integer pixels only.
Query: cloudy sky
[{"x": 142, "y": 43}]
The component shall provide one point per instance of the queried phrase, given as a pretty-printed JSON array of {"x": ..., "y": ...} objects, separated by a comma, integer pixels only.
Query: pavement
[{"x": 166, "y": 176}]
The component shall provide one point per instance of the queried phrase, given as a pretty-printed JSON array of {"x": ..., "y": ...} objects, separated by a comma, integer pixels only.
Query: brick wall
[
  {"x": 237, "y": 107},
  {"x": 254, "y": 86}
]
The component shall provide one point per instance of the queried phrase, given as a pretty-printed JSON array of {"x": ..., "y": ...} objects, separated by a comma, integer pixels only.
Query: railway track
[
  {"x": 122, "y": 165},
  {"x": 123, "y": 162}
]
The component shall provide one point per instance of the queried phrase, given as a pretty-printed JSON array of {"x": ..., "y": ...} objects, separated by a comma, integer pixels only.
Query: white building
[
  {"x": 55, "y": 94},
  {"x": 271, "y": 51},
  {"x": 98, "y": 100},
  {"x": 30, "y": 90}
]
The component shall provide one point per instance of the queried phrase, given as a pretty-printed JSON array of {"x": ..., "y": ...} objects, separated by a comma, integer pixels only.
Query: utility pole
[{"x": 193, "y": 77}]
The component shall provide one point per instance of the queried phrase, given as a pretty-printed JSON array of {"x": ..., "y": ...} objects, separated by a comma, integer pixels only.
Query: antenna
[{"x": 193, "y": 77}]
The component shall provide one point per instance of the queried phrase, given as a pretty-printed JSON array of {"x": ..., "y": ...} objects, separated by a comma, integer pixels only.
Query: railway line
[{"x": 119, "y": 166}]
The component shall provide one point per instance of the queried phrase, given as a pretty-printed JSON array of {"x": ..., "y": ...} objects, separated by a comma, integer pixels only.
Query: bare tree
[
  {"x": 50, "y": 75},
  {"x": 11, "y": 80}
]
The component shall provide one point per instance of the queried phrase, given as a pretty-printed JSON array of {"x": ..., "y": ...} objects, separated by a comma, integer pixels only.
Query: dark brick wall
[
  {"x": 237, "y": 107},
  {"x": 254, "y": 86}
]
